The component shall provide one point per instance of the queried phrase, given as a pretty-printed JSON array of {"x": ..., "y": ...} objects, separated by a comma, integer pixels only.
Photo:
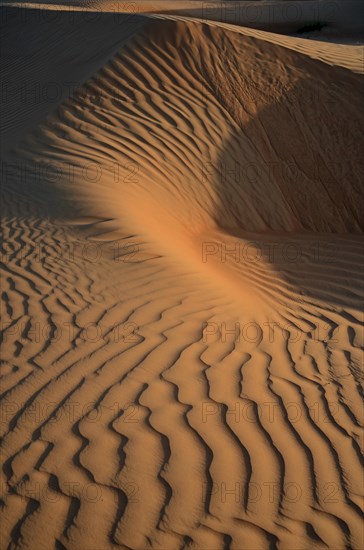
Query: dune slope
[{"x": 182, "y": 323}]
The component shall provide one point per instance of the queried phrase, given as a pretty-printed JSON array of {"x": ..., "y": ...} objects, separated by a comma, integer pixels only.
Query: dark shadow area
[
  {"x": 299, "y": 144},
  {"x": 289, "y": 181},
  {"x": 46, "y": 55},
  {"x": 311, "y": 28}
]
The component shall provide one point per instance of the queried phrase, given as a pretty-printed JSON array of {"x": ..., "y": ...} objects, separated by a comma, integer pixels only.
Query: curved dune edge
[
  {"x": 350, "y": 56},
  {"x": 182, "y": 354}
]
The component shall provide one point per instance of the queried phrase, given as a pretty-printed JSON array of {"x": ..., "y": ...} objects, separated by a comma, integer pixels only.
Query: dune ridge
[{"x": 182, "y": 328}]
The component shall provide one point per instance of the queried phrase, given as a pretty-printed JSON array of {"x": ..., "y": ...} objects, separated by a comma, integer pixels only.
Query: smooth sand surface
[{"x": 181, "y": 278}]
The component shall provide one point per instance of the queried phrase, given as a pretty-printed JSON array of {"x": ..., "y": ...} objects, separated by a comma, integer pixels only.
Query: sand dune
[{"x": 181, "y": 291}]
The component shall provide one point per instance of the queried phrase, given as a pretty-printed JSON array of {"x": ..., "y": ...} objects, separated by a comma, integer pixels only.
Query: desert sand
[{"x": 181, "y": 276}]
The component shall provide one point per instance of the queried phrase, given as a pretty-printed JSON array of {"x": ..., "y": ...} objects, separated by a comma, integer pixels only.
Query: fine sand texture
[{"x": 181, "y": 276}]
